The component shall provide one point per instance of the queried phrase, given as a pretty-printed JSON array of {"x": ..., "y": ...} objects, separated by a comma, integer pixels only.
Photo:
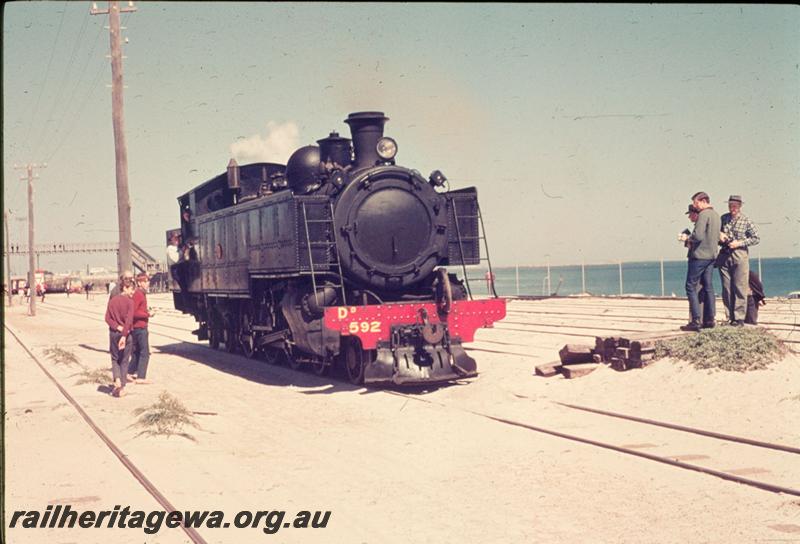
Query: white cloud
[{"x": 281, "y": 140}]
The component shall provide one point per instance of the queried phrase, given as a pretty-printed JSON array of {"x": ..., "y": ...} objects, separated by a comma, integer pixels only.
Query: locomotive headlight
[
  {"x": 337, "y": 178},
  {"x": 387, "y": 148},
  {"x": 437, "y": 179}
]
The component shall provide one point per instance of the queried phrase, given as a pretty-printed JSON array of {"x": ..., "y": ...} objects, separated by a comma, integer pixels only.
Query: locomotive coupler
[{"x": 419, "y": 340}]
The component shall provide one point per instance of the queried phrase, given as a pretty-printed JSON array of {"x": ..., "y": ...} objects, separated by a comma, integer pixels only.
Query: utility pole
[
  {"x": 8, "y": 261},
  {"x": 124, "y": 259},
  {"x": 31, "y": 253}
]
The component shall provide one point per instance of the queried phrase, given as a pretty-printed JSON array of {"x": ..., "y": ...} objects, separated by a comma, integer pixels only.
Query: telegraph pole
[
  {"x": 8, "y": 261},
  {"x": 124, "y": 259},
  {"x": 31, "y": 252}
]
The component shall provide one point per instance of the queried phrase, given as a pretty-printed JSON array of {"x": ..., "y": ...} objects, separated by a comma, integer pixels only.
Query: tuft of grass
[
  {"x": 61, "y": 356},
  {"x": 737, "y": 349},
  {"x": 167, "y": 416},
  {"x": 98, "y": 375}
]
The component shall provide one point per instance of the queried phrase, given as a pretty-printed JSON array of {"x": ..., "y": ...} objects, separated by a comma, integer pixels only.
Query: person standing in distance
[
  {"x": 703, "y": 251},
  {"x": 119, "y": 317},
  {"x": 139, "y": 334},
  {"x": 738, "y": 233},
  {"x": 755, "y": 299}
]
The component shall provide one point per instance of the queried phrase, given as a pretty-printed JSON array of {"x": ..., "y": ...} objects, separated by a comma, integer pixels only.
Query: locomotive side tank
[{"x": 337, "y": 259}]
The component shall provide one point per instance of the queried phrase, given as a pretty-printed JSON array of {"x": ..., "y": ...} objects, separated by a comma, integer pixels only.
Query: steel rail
[
  {"x": 660, "y": 459},
  {"x": 588, "y": 307},
  {"x": 614, "y": 332},
  {"x": 712, "y": 434},
  {"x": 589, "y": 313},
  {"x": 78, "y": 313},
  {"x": 657, "y": 458},
  {"x": 625, "y": 318},
  {"x": 93, "y": 315},
  {"x": 193, "y": 535}
]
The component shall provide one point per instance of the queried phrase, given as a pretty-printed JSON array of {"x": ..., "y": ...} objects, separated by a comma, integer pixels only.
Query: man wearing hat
[
  {"x": 703, "y": 250},
  {"x": 693, "y": 213},
  {"x": 738, "y": 234}
]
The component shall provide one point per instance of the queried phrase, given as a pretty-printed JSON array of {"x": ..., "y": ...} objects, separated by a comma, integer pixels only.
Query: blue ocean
[{"x": 779, "y": 276}]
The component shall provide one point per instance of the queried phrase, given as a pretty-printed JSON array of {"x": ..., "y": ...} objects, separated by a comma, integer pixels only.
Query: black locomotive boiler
[{"x": 337, "y": 258}]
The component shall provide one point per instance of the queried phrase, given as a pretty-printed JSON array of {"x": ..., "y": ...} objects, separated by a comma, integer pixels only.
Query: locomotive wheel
[
  {"x": 355, "y": 362},
  {"x": 321, "y": 368},
  {"x": 214, "y": 338},
  {"x": 294, "y": 364},
  {"x": 274, "y": 356},
  {"x": 444, "y": 291},
  {"x": 247, "y": 337},
  {"x": 247, "y": 343},
  {"x": 228, "y": 337}
]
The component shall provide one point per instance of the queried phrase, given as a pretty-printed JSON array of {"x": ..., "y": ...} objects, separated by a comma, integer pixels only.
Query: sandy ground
[{"x": 391, "y": 468}]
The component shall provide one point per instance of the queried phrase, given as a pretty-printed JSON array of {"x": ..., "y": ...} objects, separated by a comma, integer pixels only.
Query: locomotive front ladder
[
  {"x": 481, "y": 237},
  {"x": 332, "y": 251}
]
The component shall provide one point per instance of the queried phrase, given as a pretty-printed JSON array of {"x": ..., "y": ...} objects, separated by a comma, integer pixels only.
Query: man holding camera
[
  {"x": 738, "y": 233},
  {"x": 692, "y": 212},
  {"x": 703, "y": 250}
]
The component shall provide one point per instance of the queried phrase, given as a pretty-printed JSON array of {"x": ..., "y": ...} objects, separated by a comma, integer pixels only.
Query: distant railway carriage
[
  {"x": 338, "y": 257},
  {"x": 52, "y": 283}
]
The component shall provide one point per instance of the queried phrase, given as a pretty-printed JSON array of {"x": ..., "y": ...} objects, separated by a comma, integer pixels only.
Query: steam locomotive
[{"x": 337, "y": 258}]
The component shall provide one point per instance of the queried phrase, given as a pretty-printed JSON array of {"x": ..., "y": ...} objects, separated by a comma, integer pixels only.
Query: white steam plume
[{"x": 281, "y": 140}]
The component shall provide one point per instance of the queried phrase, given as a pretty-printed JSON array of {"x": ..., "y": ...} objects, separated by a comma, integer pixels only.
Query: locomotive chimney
[{"x": 366, "y": 128}]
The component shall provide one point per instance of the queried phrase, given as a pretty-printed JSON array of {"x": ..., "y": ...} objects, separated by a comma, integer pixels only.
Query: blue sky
[{"x": 585, "y": 127}]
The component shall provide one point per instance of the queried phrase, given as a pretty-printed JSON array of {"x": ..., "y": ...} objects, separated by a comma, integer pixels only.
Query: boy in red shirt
[
  {"x": 119, "y": 317},
  {"x": 139, "y": 334}
]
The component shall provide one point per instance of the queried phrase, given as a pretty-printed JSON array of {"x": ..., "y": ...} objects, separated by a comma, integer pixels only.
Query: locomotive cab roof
[{"x": 215, "y": 194}]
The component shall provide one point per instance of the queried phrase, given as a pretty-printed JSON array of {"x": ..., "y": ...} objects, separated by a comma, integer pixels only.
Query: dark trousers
[
  {"x": 119, "y": 358},
  {"x": 704, "y": 308},
  {"x": 700, "y": 273},
  {"x": 141, "y": 353},
  {"x": 752, "y": 311}
]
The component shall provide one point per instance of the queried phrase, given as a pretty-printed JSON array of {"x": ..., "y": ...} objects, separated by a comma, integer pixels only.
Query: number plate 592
[{"x": 355, "y": 327}]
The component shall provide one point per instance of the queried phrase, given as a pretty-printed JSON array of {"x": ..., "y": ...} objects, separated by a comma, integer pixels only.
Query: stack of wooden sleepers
[{"x": 620, "y": 352}]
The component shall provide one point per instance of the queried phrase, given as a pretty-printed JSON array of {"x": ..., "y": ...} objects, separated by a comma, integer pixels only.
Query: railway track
[
  {"x": 625, "y": 318},
  {"x": 588, "y": 325},
  {"x": 721, "y": 454},
  {"x": 778, "y": 455},
  {"x": 140, "y": 477}
]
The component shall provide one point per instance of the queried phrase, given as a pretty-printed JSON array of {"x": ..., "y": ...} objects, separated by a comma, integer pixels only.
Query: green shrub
[
  {"x": 98, "y": 375},
  {"x": 725, "y": 348},
  {"x": 61, "y": 356},
  {"x": 167, "y": 416}
]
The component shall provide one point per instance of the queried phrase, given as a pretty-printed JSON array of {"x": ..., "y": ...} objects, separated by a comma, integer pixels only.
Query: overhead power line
[
  {"x": 60, "y": 89},
  {"x": 91, "y": 90},
  {"x": 28, "y": 143}
]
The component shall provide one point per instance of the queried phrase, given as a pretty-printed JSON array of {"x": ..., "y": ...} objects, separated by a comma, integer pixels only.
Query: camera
[{"x": 725, "y": 241}]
